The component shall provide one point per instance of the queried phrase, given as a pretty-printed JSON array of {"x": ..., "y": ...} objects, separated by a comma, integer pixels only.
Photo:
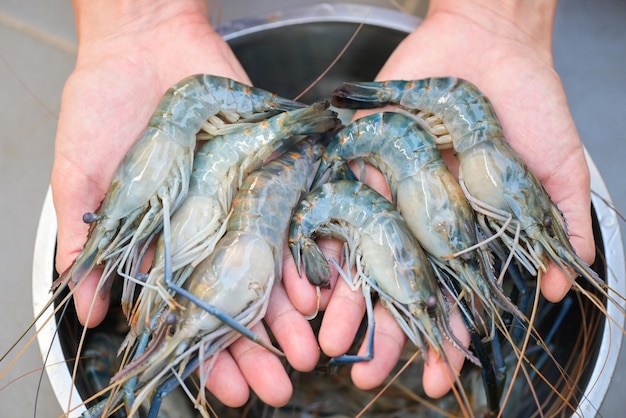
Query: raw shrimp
[
  {"x": 156, "y": 170},
  {"x": 493, "y": 176},
  {"x": 220, "y": 166},
  {"x": 424, "y": 191},
  {"x": 386, "y": 256},
  {"x": 236, "y": 279}
]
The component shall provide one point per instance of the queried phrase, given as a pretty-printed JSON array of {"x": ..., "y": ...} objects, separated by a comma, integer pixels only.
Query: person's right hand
[
  {"x": 127, "y": 59},
  {"x": 130, "y": 53}
]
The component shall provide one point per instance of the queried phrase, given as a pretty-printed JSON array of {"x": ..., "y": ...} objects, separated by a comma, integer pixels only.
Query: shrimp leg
[{"x": 369, "y": 312}]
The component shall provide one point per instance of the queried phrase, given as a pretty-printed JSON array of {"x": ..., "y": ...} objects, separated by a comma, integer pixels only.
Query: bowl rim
[
  {"x": 45, "y": 242},
  {"x": 369, "y": 15}
]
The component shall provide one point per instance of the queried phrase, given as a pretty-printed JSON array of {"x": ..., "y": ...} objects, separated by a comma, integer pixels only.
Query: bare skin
[{"x": 131, "y": 52}]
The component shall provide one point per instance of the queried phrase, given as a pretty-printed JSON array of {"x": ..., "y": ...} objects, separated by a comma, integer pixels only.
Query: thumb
[{"x": 73, "y": 196}]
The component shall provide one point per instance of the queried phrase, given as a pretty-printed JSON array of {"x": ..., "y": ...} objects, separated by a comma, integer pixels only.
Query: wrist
[
  {"x": 98, "y": 20},
  {"x": 527, "y": 21}
]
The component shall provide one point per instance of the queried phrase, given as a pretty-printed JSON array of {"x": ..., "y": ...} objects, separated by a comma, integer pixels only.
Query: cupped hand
[
  {"x": 505, "y": 50},
  {"x": 129, "y": 54}
]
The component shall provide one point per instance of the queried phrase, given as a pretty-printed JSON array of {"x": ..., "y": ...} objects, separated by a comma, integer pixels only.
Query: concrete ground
[{"x": 37, "y": 50}]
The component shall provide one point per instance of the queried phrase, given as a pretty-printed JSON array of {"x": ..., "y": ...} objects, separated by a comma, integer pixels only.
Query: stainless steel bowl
[{"x": 285, "y": 52}]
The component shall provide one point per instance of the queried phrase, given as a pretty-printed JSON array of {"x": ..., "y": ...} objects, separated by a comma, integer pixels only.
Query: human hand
[
  {"x": 505, "y": 49},
  {"x": 129, "y": 54}
]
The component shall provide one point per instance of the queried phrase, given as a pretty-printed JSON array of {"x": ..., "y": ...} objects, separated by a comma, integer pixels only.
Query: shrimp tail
[
  {"x": 363, "y": 95},
  {"x": 315, "y": 265},
  {"x": 282, "y": 104},
  {"x": 329, "y": 171},
  {"x": 315, "y": 118}
]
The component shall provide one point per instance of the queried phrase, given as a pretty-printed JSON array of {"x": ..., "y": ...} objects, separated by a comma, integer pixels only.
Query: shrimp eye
[
  {"x": 547, "y": 222},
  {"x": 431, "y": 303},
  {"x": 90, "y": 217},
  {"x": 171, "y": 319}
]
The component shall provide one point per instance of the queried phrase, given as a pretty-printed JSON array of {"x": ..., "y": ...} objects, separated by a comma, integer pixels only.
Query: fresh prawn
[
  {"x": 424, "y": 191},
  {"x": 494, "y": 178},
  {"x": 234, "y": 281},
  {"x": 385, "y": 254},
  {"x": 220, "y": 166},
  {"x": 156, "y": 170}
]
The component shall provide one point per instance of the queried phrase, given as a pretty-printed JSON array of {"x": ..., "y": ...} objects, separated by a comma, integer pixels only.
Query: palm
[
  {"x": 530, "y": 102},
  {"x": 106, "y": 104}
]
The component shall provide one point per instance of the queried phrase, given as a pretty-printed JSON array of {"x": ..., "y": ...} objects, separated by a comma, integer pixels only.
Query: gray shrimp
[
  {"x": 424, "y": 191},
  {"x": 220, "y": 166},
  {"x": 236, "y": 279},
  {"x": 494, "y": 178},
  {"x": 385, "y": 254},
  {"x": 155, "y": 172}
]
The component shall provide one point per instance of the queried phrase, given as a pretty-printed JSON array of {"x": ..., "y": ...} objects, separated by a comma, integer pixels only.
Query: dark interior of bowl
[{"x": 287, "y": 61}]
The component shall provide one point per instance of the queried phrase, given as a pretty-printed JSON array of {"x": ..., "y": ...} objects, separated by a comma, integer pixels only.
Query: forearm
[{"x": 522, "y": 20}]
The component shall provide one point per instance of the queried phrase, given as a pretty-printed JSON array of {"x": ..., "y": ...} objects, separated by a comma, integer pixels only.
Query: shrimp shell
[
  {"x": 238, "y": 276},
  {"x": 494, "y": 178},
  {"x": 425, "y": 192},
  {"x": 157, "y": 167},
  {"x": 220, "y": 166},
  {"x": 392, "y": 261}
]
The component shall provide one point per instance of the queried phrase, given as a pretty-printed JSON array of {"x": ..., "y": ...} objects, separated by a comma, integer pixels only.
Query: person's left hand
[{"x": 509, "y": 59}]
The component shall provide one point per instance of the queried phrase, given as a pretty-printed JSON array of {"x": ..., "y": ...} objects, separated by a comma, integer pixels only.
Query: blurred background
[{"x": 37, "y": 53}]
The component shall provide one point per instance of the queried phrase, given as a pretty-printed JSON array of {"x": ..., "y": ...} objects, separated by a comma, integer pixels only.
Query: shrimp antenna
[{"x": 334, "y": 61}]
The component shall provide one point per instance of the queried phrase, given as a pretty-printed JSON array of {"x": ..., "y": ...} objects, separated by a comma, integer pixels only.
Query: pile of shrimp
[{"x": 191, "y": 200}]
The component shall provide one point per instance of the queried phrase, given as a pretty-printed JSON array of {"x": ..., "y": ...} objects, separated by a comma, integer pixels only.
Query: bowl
[{"x": 286, "y": 52}]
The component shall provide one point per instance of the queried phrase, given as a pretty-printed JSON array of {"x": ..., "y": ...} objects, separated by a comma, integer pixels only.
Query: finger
[
  {"x": 262, "y": 370},
  {"x": 389, "y": 340},
  {"x": 292, "y": 331},
  {"x": 555, "y": 282},
  {"x": 226, "y": 382},
  {"x": 440, "y": 371},
  {"x": 372, "y": 177},
  {"x": 342, "y": 319},
  {"x": 71, "y": 236},
  {"x": 91, "y": 303},
  {"x": 302, "y": 294}
]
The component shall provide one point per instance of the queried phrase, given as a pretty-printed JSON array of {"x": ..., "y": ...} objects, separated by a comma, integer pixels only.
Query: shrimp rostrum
[
  {"x": 497, "y": 183},
  {"x": 385, "y": 255},
  {"x": 231, "y": 285}
]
